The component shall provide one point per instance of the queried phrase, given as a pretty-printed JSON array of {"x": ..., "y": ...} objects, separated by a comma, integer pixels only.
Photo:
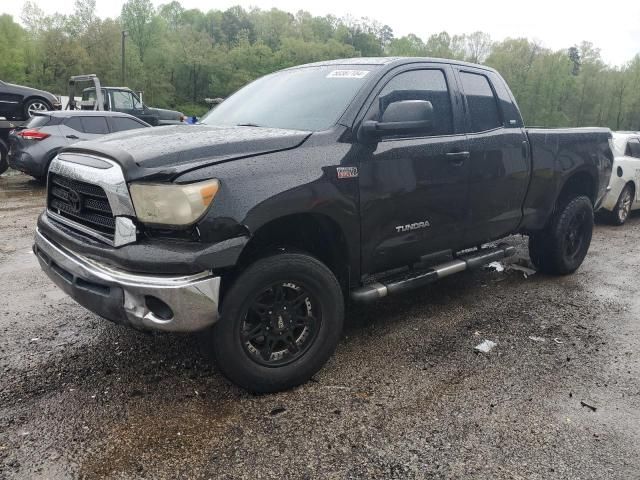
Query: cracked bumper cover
[{"x": 132, "y": 298}]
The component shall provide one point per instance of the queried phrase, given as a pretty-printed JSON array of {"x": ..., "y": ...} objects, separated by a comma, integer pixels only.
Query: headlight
[{"x": 171, "y": 204}]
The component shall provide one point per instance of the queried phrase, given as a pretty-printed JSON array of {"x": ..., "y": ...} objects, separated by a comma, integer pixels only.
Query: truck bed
[{"x": 555, "y": 155}]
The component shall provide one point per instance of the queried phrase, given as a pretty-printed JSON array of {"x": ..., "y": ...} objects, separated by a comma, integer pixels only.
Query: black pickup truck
[{"x": 353, "y": 178}]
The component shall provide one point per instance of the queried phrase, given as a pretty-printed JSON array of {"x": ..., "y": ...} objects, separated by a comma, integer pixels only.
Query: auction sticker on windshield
[{"x": 347, "y": 74}]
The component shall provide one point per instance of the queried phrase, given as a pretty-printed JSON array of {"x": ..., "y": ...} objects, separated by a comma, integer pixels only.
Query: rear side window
[
  {"x": 95, "y": 125},
  {"x": 120, "y": 124},
  {"x": 429, "y": 85},
  {"x": 633, "y": 148},
  {"x": 481, "y": 102}
]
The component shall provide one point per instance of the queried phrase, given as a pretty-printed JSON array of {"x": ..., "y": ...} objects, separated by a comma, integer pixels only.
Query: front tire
[
  {"x": 622, "y": 209},
  {"x": 280, "y": 322},
  {"x": 561, "y": 248}
]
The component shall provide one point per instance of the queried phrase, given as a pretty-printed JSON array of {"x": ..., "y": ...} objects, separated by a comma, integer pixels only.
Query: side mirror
[{"x": 401, "y": 118}]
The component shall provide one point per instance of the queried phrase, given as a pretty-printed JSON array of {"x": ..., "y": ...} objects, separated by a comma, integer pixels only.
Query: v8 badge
[{"x": 347, "y": 172}]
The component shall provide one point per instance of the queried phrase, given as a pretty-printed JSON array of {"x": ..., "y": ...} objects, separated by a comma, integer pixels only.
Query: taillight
[{"x": 32, "y": 134}]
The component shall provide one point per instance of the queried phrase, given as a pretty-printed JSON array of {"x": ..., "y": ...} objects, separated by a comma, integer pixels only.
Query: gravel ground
[{"x": 405, "y": 396}]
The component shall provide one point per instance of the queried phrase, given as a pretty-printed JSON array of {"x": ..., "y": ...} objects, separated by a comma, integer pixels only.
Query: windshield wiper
[{"x": 248, "y": 125}]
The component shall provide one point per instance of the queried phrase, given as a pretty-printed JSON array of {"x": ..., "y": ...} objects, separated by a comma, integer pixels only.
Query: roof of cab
[
  {"x": 389, "y": 61},
  {"x": 85, "y": 113},
  {"x": 108, "y": 88}
]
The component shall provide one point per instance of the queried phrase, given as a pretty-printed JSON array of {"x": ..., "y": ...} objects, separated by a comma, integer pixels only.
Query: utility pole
[{"x": 124, "y": 35}]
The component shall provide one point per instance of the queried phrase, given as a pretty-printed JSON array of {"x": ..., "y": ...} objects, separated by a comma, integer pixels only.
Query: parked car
[
  {"x": 6, "y": 126},
  {"x": 623, "y": 196},
  {"x": 34, "y": 146},
  {"x": 21, "y": 103},
  {"x": 354, "y": 178}
]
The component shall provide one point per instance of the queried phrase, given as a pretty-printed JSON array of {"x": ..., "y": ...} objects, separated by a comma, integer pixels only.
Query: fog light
[{"x": 158, "y": 308}]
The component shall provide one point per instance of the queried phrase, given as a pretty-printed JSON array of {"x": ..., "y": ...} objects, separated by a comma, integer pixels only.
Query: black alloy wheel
[
  {"x": 281, "y": 319},
  {"x": 280, "y": 324}
]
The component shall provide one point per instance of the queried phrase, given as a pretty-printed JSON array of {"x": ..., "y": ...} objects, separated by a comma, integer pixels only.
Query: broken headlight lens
[{"x": 172, "y": 204}]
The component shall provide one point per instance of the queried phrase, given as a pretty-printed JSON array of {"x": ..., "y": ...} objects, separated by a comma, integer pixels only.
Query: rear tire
[
  {"x": 619, "y": 215},
  {"x": 4, "y": 161},
  {"x": 561, "y": 248},
  {"x": 280, "y": 322}
]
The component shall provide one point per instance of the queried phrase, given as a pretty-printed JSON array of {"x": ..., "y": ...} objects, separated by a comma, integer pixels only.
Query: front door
[
  {"x": 126, "y": 102},
  {"x": 413, "y": 189}
]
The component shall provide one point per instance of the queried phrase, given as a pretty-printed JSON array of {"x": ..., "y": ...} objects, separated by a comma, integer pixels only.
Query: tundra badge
[{"x": 412, "y": 226}]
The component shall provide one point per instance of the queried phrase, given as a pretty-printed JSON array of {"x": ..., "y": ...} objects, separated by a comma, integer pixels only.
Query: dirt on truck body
[
  {"x": 405, "y": 396},
  {"x": 351, "y": 179}
]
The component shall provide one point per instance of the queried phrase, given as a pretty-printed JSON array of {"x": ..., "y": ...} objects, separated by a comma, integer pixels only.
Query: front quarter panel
[{"x": 257, "y": 190}]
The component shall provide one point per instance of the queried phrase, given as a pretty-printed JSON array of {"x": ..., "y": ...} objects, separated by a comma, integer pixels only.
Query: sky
[{"x": 612, "y": 26}]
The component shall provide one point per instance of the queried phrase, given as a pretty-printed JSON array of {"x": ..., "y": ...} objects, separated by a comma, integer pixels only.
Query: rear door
[
  {"x": 413, "y": 189},
  {"x": 499, "y": 167},
  {"x": 79, "y": 128},
  {"x": 10, "y": 101}
]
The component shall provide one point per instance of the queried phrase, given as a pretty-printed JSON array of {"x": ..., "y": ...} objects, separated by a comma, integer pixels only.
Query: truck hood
[
  {"x": 165, "y": 152},
  {"x": 164, "y": 114}
]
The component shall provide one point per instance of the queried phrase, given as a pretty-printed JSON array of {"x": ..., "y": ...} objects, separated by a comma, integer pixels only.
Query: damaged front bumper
[{"x": 148, "y": 302}]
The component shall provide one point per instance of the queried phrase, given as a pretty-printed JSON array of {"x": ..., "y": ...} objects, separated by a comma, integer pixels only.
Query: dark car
[
  {"x": 21, "y": 103},
  {"x": 347, "y": 179},
  {"x": 125, "y": 100},
  {"x": 32, "y": 147}
]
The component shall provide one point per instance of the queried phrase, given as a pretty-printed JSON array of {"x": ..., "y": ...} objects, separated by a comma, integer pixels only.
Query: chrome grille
[{"x": 81, "y": 202}]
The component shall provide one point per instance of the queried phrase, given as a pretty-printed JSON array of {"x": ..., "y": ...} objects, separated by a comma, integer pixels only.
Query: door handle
[
  {"x": 525, "y": 150},
  {"x": 457, "y": 158},
  {"x": 73, "y": 137}
]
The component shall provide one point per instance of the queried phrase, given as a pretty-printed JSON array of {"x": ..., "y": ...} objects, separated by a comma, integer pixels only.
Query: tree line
[{"x": 179, "y": 57}]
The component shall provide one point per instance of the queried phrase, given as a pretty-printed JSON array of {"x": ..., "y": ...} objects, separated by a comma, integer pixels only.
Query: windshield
[{"x": 310, "y": 98}]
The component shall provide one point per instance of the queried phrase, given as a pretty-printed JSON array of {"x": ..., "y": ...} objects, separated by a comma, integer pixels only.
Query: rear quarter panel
[
  {"x": 630, "y": 169},
  {"x": 557, "y": 155}
]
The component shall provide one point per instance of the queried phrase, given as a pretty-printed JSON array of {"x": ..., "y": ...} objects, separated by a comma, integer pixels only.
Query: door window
[
  {"x": 633, "y": 148},
  {"x": 429, "y": 85},
  {"x": 481, "y": 102},
  {"x": 137, "y": 104},
  {"x": 122, "y": 100},
  {"x": 120, "y": 124},
  {"x": 95, "y": 125}
]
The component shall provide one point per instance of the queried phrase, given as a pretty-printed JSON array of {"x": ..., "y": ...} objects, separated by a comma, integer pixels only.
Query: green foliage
[
  {"x": 179, "y": 57},
  {"x": 12, "y": 61}
]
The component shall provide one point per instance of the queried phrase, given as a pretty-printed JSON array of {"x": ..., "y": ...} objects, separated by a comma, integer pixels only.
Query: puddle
[
  {"x": 18, "y": 260},
  {"x": 15, "y": 185},
  {"x": 155, "y": 435}
]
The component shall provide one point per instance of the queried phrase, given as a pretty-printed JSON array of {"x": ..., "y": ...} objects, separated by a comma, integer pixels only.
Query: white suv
[{"x": 623, "y": 196}]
